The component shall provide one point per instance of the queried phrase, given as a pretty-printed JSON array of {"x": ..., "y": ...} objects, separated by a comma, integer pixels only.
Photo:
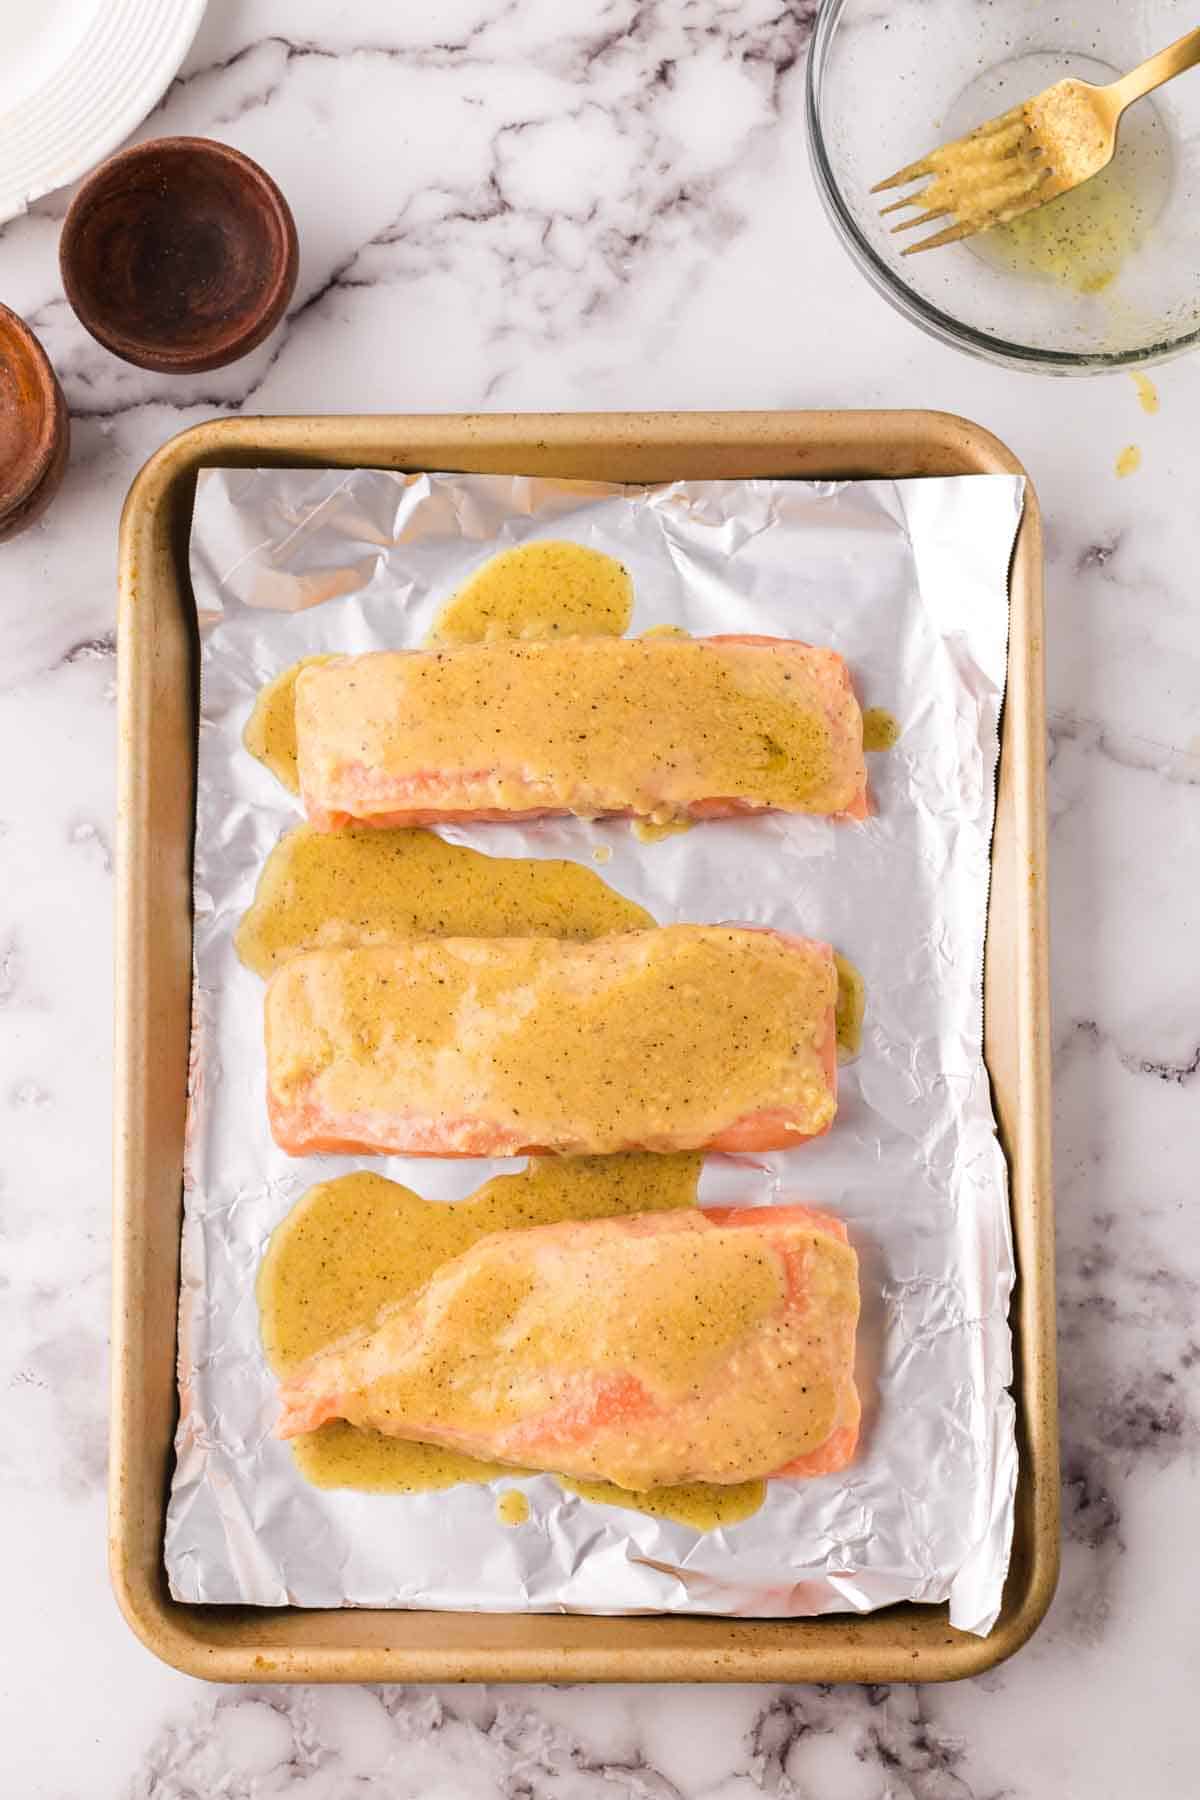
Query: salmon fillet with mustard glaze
[
  {"x": 689, "y": 1037},
  {"x": 667, "y": 1347},
  {"x": 659, "y": 727}
]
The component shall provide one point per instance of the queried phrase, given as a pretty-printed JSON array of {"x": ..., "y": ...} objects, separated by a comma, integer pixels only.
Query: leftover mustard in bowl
[{"x": 1106, "y": 276}]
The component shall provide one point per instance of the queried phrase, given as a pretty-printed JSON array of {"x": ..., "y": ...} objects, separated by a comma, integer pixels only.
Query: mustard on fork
[{"x": 1029, "y": 155}]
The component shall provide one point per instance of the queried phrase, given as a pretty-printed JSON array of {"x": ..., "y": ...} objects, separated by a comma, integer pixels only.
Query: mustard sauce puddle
[
  {"x": 363, "y": 886},
  {"x": 353, "y": 1245},
  {"x": 270, "y": 733},
  {"x": 320, "y": 890},
  {"x": 881, "y": 729},
  {"x": 653, "y": 831},
  {"x": 700, "y": 1504},
  {"x": 551, "y": 588},
  {"x": 1081, "y": 239},
  {"x": 851, "y": 1005},
  {"x": 512, "y": 1508}
]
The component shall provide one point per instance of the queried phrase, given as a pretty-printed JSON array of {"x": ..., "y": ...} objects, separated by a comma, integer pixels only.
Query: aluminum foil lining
[{"x": 909, "y": 581}]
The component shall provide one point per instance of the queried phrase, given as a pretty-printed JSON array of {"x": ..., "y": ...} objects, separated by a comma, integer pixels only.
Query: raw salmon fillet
[
  {"x": 692, "y": 1036},
  {"x": 662, "y": 727},
  {"x": 667, "y": 1347}
]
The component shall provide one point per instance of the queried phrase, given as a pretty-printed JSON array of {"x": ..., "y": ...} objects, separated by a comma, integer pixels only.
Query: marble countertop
[{"x": 517, "y": 204}]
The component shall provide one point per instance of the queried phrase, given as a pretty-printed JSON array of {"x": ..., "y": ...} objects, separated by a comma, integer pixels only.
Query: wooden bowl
[
  {"x": 35, "y": 431},
  {"x": 179, "y": 255}
]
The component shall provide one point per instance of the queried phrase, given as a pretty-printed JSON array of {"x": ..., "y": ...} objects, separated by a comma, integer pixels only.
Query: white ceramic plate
[{"x": 76, "y": 77}]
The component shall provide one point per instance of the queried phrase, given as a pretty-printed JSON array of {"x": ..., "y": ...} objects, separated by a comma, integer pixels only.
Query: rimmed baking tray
[{"x": 156, "y": 807}]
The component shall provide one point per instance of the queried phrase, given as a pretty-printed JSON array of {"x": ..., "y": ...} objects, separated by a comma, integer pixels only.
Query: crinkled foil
[{"x": 909, "y": 581}]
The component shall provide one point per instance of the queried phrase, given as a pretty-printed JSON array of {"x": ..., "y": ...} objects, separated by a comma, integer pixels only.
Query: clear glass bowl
[{"x": 1111, "y": 283}]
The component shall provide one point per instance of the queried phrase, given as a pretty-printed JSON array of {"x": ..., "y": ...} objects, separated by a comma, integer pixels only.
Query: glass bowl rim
[{"x": 930, "y": 318}]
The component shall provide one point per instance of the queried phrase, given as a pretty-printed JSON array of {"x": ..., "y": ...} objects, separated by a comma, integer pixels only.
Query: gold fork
[{"x": 1031, "y": 154}]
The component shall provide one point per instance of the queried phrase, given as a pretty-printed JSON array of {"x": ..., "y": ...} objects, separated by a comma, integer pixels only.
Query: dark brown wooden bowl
[
  {"x": 179, "y": 255},
  {"x": 35, "y": 431}
]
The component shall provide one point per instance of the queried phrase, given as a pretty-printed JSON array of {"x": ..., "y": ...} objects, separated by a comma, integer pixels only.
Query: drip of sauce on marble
[
  {"x": 1147, "y": 393},
  {"x": 1129, "y": 461}
]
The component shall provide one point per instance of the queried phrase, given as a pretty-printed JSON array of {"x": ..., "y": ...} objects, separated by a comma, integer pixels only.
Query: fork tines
[{"x": 982, "y": 178}]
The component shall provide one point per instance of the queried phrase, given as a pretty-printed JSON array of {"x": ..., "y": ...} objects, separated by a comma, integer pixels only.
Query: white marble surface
[{"x": 557, "y": 203}]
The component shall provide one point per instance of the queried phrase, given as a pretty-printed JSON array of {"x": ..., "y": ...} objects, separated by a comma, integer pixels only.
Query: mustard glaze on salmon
[
  {"x": 686, "y": 1037},
  {"x": 663, "y": 1348},
  {"x": 658, "y": 727}
]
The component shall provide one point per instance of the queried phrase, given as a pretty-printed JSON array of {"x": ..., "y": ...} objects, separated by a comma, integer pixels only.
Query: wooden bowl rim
[
  {"x": 39, "y": 449},
  {"x": 220, "y": 348}
]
